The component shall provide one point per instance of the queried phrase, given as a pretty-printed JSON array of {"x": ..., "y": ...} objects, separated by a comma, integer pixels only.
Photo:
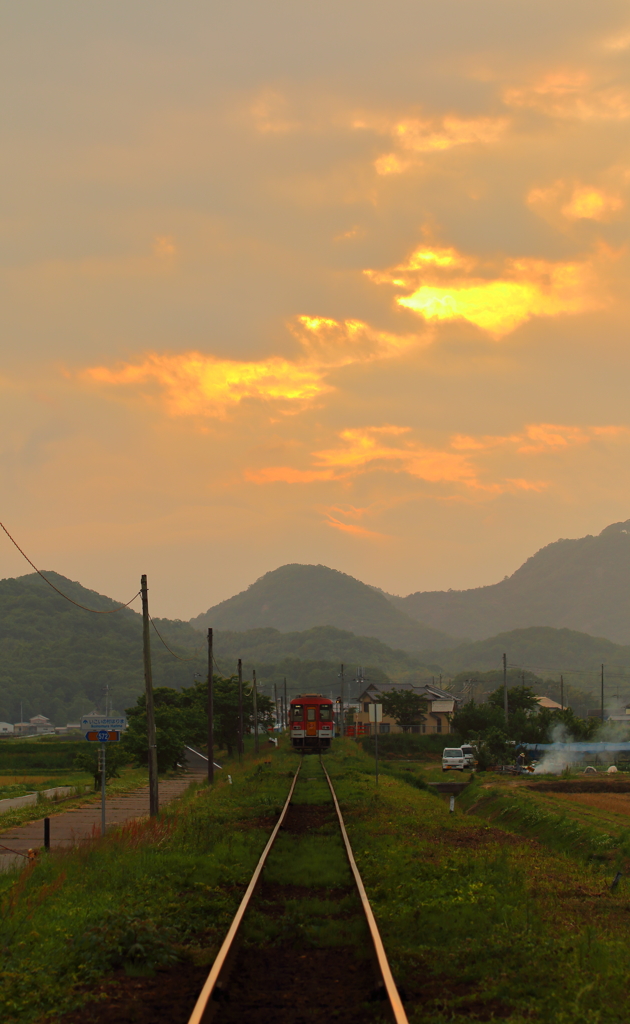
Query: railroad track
[{"x": 289, "y": 994}]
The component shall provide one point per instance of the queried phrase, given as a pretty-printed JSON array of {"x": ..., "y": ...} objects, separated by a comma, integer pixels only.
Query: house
[
  {"x": 440, "y": 706},
  {"x": 6, "y": 729},
  {"x": 552, "y": 705},
  {"x": 36, "y": 726}
]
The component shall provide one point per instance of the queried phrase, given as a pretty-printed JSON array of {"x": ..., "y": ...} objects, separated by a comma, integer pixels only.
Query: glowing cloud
[
  {"x": 195, "y": 384},
  {"x": 498, "y": 303},
  {"x": 415, "y": 136},
  {"x": 200, "y": 385},
  {"x": 463, "y": 462},
  {"x": 571, "y": 94},
  {"x": 591, "y": 204}
]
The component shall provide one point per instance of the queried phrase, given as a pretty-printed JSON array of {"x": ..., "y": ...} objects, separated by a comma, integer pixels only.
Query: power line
[
  {"x": 95, "y": 611},
  {"x": 179, "y": 658}
]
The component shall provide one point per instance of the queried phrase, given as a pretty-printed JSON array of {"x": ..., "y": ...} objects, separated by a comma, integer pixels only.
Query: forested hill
[
  {"x": 297, "y": 597},
  {"x": 544, "y": 651},
  {"x": 580, "y": 585},
  {"x": 57, "y": 659}
]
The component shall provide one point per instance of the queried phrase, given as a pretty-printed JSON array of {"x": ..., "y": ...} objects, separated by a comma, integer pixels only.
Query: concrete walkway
[{"x": 71, "y": 826}]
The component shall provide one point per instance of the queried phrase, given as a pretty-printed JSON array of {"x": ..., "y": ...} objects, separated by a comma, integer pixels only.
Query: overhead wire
[
  {"x": 95, "y": 611},
  {"x": 178, "y": 656}
]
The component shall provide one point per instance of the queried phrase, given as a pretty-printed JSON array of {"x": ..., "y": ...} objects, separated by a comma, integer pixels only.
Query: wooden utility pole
[
  {"x": 210, "y": 709},
  {"x": 240, "y": 710},
  {"x": 341, "y": 730},
  {"x": 255, "y": 696},
  {"x": 154, "y": 798},
  {"x": 505, "y": 700},
  {"x": 562, "y": 692},
  {"x": 286, "y": 706},
  {"x": 275, "y": 702},
  {"x": 602, "y": 714}
]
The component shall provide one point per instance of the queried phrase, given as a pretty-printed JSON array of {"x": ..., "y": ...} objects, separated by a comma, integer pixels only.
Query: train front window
[
  {"x": 325, "y": 712},
  {"x": 298, "y": 712},
  {"x": 310, "y": 714}
]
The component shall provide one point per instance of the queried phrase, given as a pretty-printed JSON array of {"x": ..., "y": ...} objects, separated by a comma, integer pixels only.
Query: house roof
[
  {"x": 547, "y": 702},
  {"x": 429, "y": 691}
]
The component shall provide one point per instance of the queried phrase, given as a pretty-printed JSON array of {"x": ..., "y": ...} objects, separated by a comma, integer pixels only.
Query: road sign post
[
  {"x": 376, "y": 716},
  {"x": 103, "y": 729},
  {"x": 102, "y": 750}
]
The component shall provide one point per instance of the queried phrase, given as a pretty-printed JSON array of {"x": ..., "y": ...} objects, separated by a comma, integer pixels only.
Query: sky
[{"x": 338, "y": 283}]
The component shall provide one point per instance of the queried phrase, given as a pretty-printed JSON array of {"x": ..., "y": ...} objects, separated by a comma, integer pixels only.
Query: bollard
[
  {"x": 451, "y": 803},
  {"x": 47, "y": 833}
]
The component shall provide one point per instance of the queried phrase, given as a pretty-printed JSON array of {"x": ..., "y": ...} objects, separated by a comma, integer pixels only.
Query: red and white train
[{"x": 312, "y": 726}]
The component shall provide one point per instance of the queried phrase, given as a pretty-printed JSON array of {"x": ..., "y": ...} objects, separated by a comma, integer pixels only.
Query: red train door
[{"x": 311, "y": 721}]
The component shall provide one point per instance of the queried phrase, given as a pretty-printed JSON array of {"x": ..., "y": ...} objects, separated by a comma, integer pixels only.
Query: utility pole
[
  {"x": 562, "y": 692},
  {"x": 286, "y": 706},
  {"x": 240, "y": 710},
  {"x": 210, "y": 709},
  {"x": 275, "y": 702},
  {"x": 602, "y": 694},
  {"x": 505, "y": 700},
  {"x": 154, "y": 799},
  {"x": 341, "y": 731},
  {"x": 255, "y": 695}
]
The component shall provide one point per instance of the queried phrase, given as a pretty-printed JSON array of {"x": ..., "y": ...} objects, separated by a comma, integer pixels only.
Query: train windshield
[
  {"x": 325, "y": 712},
  {"x": 298, "y": 712}
]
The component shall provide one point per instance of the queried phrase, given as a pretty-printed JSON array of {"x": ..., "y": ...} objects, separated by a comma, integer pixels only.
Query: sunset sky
[{"x": 330, "y": 282}]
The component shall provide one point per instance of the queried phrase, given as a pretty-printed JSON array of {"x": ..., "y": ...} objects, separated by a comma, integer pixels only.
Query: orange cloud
[
  {"x": 574, "y": 202},
  {"x": 194, "y": 384},
  {"x": 591, "y": 204},
  {"x": 511, "y": 294},
  {"x": 288, "y": 475},
  {"x": 198, "y": 385},
  {"x": 356, "y": 531},
  {"x": 415, "y": 136},
  {"x": 571, "y": 94},
  {"x": 462, "y": 462}
]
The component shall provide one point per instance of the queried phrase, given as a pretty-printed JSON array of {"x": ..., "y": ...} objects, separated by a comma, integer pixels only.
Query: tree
[
  {"x": 181, "y": 719},
  {"x": 87, "y": 760},
  {"x": 493, "y": 748},
  {"x": 405, "y": 707},
  {"x": 520, "y": 698}
]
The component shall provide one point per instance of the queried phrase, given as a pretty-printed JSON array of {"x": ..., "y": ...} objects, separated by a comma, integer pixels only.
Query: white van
[
  {"x": 453, "y": 759},
  {"x": 469, "y": 755}
]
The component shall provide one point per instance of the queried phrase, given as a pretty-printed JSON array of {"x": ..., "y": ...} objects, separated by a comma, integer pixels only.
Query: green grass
[{"x": 479, "y": 921}]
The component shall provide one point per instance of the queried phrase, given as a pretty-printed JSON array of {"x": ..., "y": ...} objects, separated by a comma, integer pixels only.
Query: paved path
[{"x": 75, "y": 824}]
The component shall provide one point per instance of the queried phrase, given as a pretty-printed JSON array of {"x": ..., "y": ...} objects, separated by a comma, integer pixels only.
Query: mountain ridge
[
  {"x": 298, "y": 597},
  {"x": 581, "y": 584}
]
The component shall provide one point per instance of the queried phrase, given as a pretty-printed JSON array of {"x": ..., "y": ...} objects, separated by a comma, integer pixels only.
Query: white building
[{"x": 6, "y": 729}]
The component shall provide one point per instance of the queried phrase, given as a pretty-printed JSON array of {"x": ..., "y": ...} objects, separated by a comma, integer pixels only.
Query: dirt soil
[
  {"x": 581, "y": 786},
  {"x": 287, "y": 986},
  {"x": 168, "y": 997},
  {"x": 304, "y": 818}
]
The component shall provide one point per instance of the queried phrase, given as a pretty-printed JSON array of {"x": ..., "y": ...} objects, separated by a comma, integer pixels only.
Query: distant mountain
[
  {"x": 575, "y": 584},
  {"x": 322, "y": 643},
  {"x": 296, "y": 597},
  {"x": 57, "y": 660},
  {"x": 542, "y": 650}
]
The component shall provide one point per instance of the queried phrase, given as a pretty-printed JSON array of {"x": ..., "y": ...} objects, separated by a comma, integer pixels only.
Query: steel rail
[
  {"x": 388, "y": 980},
  {"x": 204, "y": 1004}
]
